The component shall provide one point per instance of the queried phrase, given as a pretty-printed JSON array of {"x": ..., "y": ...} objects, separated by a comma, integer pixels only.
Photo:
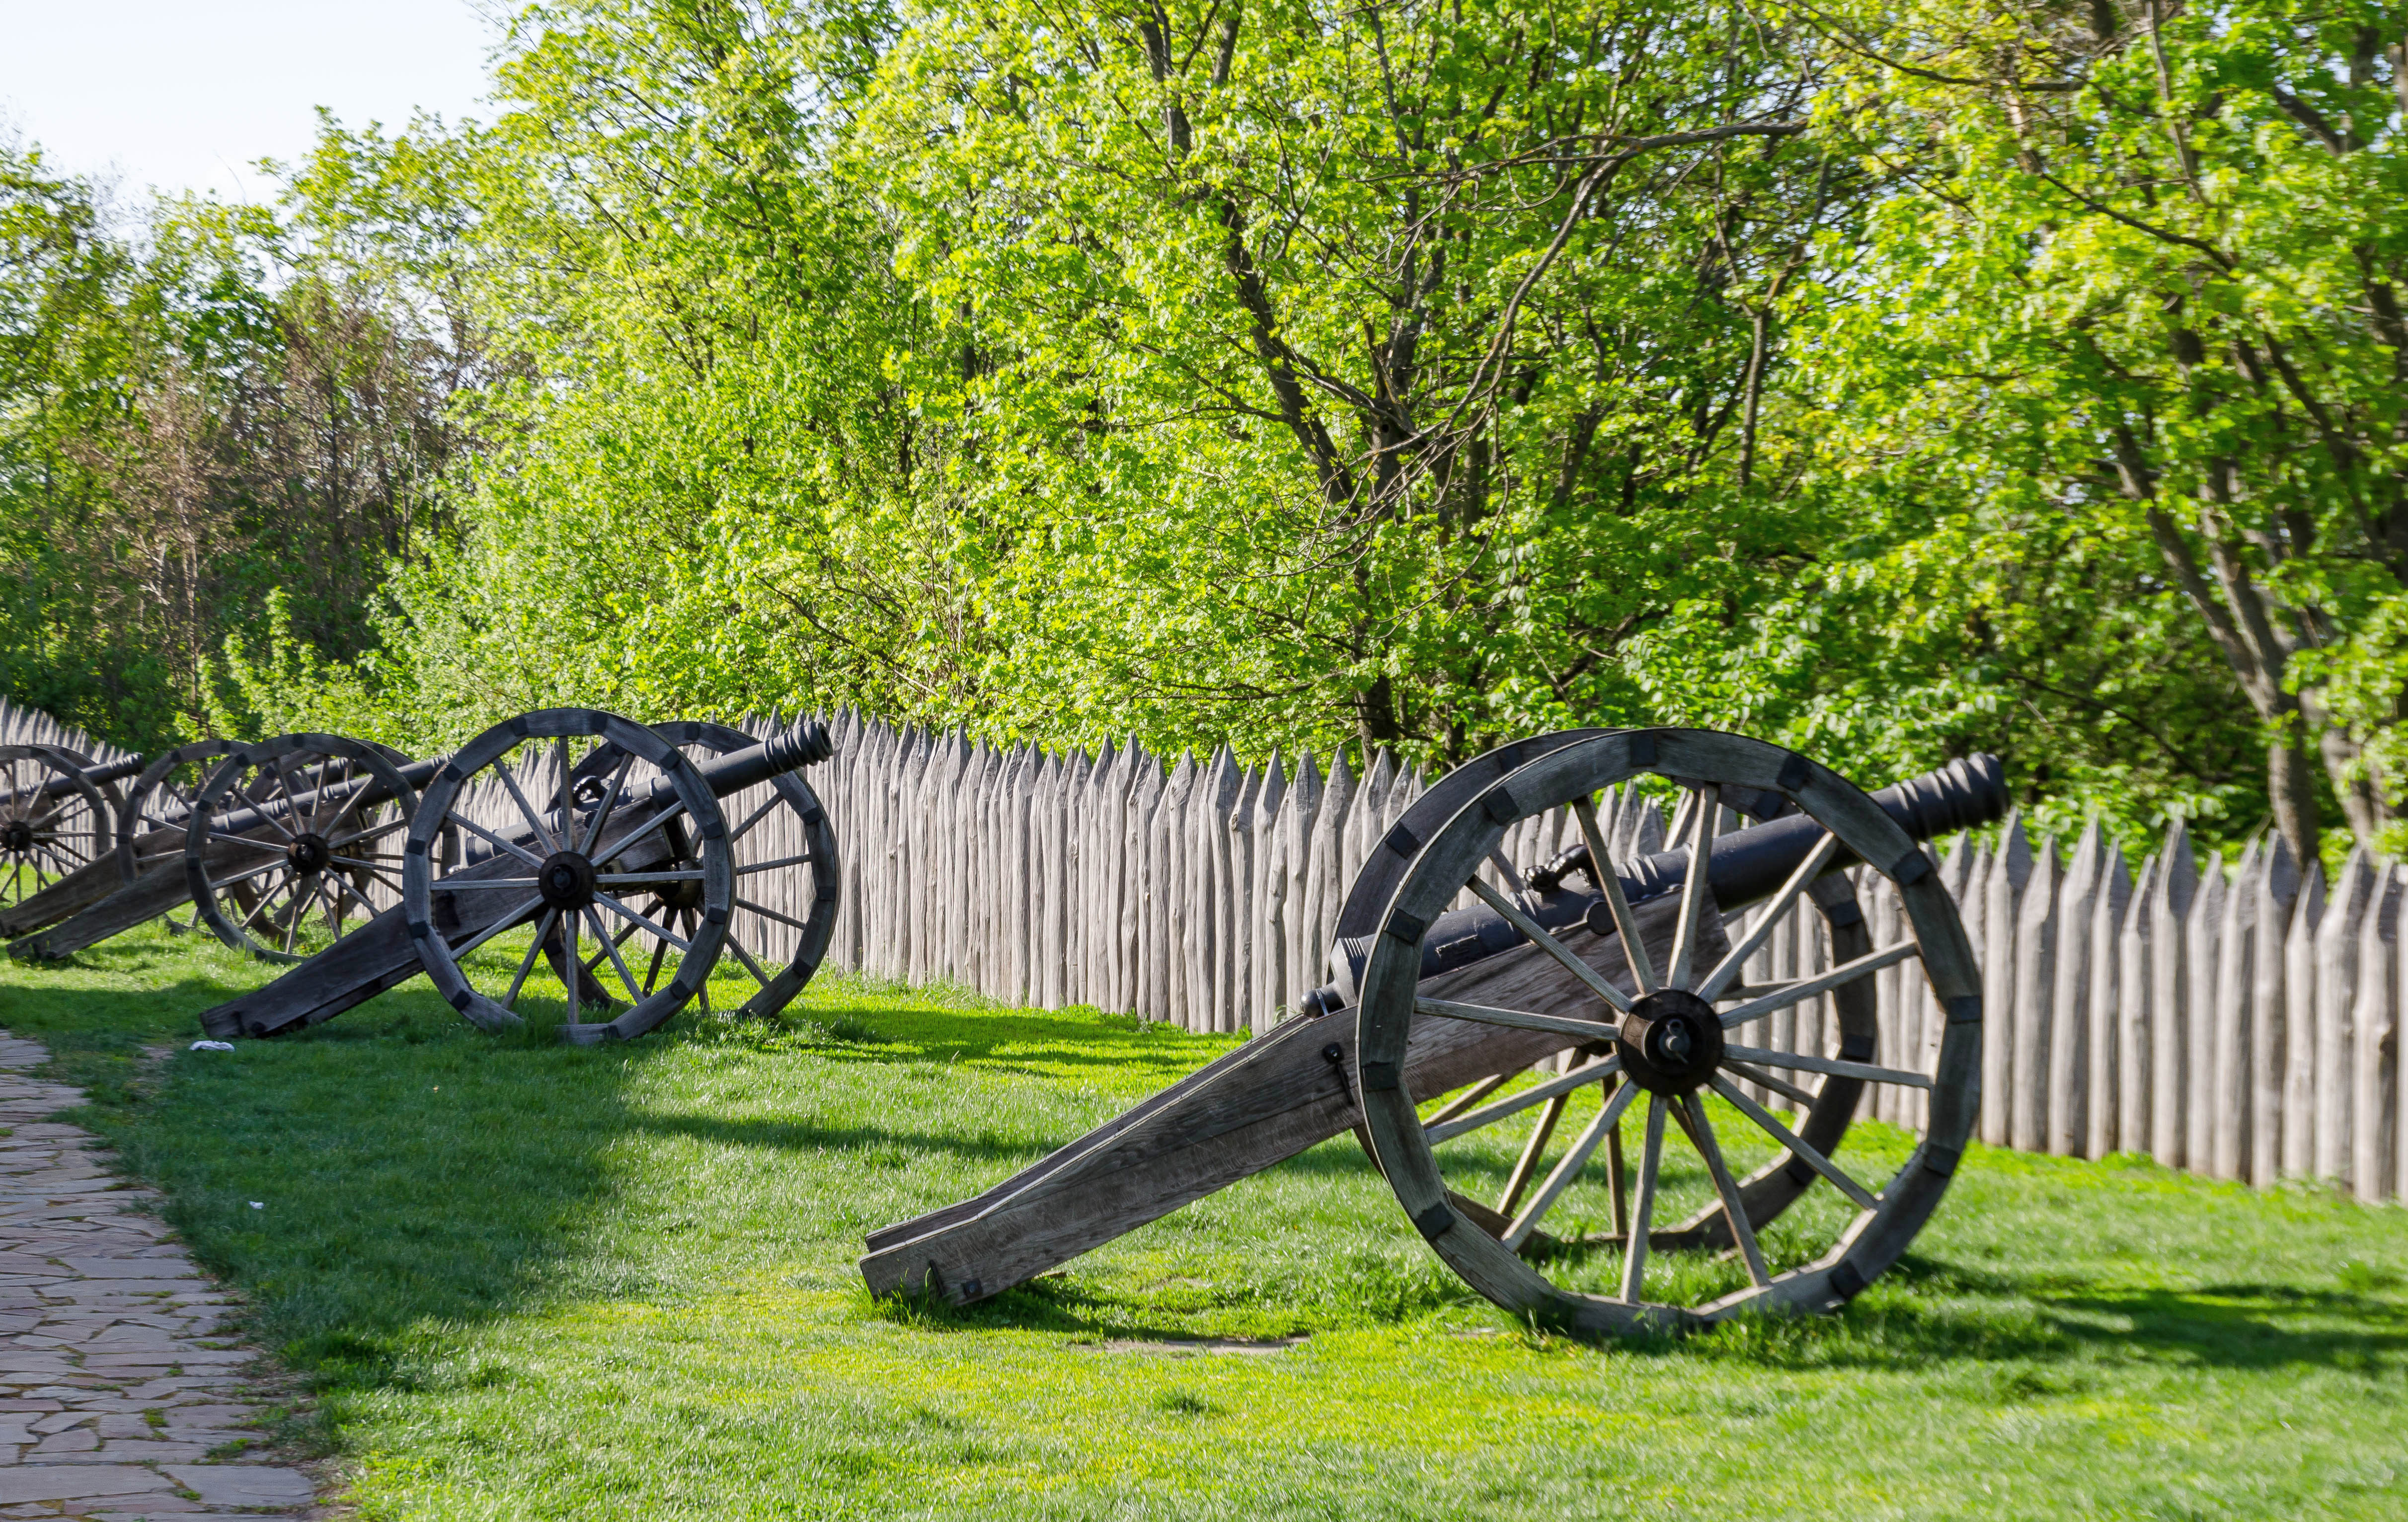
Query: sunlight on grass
[{"x": 534, "y": 1280}]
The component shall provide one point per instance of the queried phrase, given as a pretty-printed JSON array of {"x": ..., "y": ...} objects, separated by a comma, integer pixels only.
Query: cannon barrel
[
  {"x": 1742, "y": 867},
  {"x": 116, "y": 772}
]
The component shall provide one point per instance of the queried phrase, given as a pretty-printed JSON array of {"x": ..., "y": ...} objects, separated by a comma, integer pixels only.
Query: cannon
[
  {"x": 1457, "y": 1002},
  {"x": 251, "y": 803},
  {"x": 620, "y": 858},
  {"x": 59, "y": 817}
]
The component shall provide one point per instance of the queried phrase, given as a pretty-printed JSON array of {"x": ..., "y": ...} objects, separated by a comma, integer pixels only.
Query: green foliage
[
  {"x": 190, "y": 421},
  {"x": 1893, "y": 381},
  {"x": 2135, "y": 287}
]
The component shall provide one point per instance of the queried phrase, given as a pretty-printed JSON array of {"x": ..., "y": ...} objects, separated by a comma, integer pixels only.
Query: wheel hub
[
  {"x": 1671, "y": 1041},
  {"x": 17, "y": 836},
  {"x": 310, "y": 853},
  {"x": 566, "y": 880}
]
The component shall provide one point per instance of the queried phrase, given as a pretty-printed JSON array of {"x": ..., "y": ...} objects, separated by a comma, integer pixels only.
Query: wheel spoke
[
  {"x": 292, "y": 797},
  {"x": 1589, "y": 1030},
  {"x": 610, "y": 802},
  {"x": 619, "y": 939},
  {"x": 1608, "y": 883},
  {"x": 620, "y": 846},
  {"x": 1532, "y": 1151},
  {"x": 526, "y": 963},
  {"x": 480, "y": 884},
  {"x": 1694, "y": 890},
  {"x": 1771, "y": 1126},
  {"x": 753, "y": 818},
  {"x": 1506, "y": 870},
  {"x": 1584, "y": 1147},
  {"x": 511, "y": 846},
  {"x": 372, "y": 832},
  {"x": 568, "y": 799},
  {"x": 327, "y": 794},
  {"x": 1468, "y": 1098},
  {"x": 1514, "y": 1104},
  {"x": 803, "y": 860},
  {"x": 1539, "y": 937},
  {"x": 352, "y": 888},
  {"x": 767, "y": 913},
  {"x": 611, "y": 947},
  {"x": 1701, "y": 1135},
  {"x": 526, "y": 811},
  {"x": 1727, "y": 969},
  {"x": 504, "y": 922},
  {"x": 1762, "y": 1079},
  {"x": 1833, "y": 1066},
  {"x": 252, "y": 841},
  {"x": 652, "y": 973},
  {"x": 625, "y": 913},
  {"x": 1805, "y": 988},
  {"x": 217, "y": 884},
  {"x": 1651, "y": 1162},
  {"x": 750, "y": 965},
  {"x": 570, "y": 979},
  {"x": 616, "y": 880}
]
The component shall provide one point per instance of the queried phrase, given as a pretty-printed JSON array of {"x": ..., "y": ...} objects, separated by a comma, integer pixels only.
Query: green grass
[{"x": 529, "y": 1281}]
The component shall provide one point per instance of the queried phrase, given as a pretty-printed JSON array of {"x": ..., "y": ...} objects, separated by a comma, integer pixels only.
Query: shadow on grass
[
  {"x": 795, "y": 1136},
  {"x": 1929, "y": 1310}
]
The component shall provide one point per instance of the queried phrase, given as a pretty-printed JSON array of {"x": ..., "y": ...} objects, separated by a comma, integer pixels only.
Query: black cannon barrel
[
  {"x": 1749, "y": 864},
  {"x": 416, "y": 774},
  {"x": 1743, "y": 866},
  {"x": 116, "y": 772},
  {"x": 803, "y": 744}
]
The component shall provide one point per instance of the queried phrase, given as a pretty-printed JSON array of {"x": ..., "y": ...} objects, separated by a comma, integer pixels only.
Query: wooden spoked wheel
[
  {"x": 575, "y": 821},
  {"x": 778, "y": 948},
  {"x": 1683, "y": 1031},
  {"x": 53, "y": 820},
  {"x": 292, "y": 843},
  {"x": 152, "y": 819}
]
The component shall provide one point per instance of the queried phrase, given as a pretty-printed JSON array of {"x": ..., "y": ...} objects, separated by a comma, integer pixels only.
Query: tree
[
  {"x": 2146, "y": 260},
  {"x": 1367, "y": 373}
]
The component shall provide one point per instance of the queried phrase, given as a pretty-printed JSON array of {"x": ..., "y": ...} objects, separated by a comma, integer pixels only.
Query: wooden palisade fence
[
  {"x": 2242, "y": 1027},
  {"x": 31, "y": 726}
]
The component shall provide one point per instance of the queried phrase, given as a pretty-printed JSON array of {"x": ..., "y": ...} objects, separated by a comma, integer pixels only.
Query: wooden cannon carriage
[
  {"x": 1622, "y": 991},
  {"x": 624, "y": 852}
]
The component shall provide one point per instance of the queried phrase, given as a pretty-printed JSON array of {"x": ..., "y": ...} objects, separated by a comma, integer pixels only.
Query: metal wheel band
[
  {"x": 54, "y": 821},
  {"x": 429, "y": 908},
  {"x": 302, "y": 797},
  {"x": 1391, "y": 976}
]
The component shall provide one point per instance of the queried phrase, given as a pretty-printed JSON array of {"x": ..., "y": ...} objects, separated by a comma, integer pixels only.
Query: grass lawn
[{"x": 531, "y": 1281}]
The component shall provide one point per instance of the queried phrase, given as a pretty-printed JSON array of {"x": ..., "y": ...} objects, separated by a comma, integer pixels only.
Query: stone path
[{"x": 116, "y": 1401}]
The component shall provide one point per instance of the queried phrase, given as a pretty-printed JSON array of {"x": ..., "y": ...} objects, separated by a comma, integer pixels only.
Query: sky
[{"x": 186, "y": 95}]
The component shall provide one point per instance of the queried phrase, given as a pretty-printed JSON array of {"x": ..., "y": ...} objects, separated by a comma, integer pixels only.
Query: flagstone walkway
[{"x": 116, "y": 1401}]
